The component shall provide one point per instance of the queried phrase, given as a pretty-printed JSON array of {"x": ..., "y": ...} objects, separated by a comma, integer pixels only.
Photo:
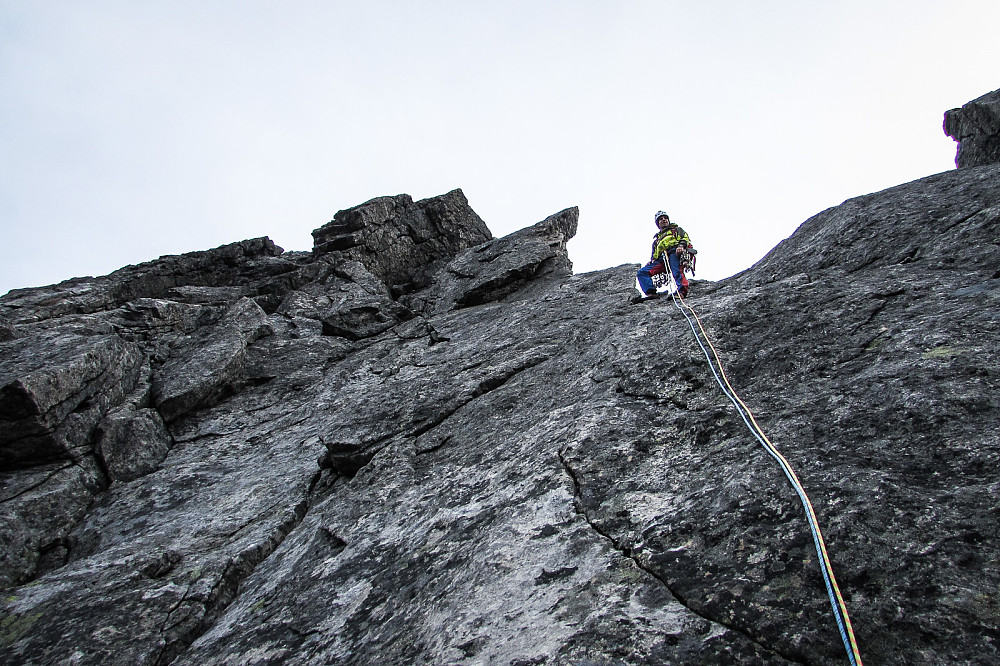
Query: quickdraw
[
  {"x": 661, "y": 280},
  {"x": 688, "y": 259},
  {"x": 687, "y": 263}
]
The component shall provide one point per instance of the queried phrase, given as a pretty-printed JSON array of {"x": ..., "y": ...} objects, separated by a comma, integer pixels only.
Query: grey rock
[
  {"x": 976, "y": 127},
  {"x": 208, "y": 364},
  {"x": 157, "y": 324},
  {"x": 132, "y": 439},
  {"x": 38, "y": 509},
  {"x": 254, "y": 261},
  {"x": 350, "y": 303},
  {"x": 498, "y": 268},
  {"x": 939, "y": 222},
  {"x": 55, "y": 387},
  {"x": 485, "y": 459},
  {"x": 132, "y": 442},
  {"x": 400, "y": 241},
  {"x": 58, "y": 386}
]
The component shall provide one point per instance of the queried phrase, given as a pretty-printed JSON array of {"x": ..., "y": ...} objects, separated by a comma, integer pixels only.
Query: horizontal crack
[
  {"x": 350, "y": 459},
  {"x": 490, "y": 383},
  {"x": 39, "y": 484},
  {"x": 436, "y": 447}
]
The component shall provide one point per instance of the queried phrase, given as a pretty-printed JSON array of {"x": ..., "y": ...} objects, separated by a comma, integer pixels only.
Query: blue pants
[{"x": 655, "y": 267}]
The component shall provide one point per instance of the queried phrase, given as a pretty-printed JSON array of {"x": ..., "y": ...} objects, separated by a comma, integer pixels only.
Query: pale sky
[{"x": 135, "y": 128}]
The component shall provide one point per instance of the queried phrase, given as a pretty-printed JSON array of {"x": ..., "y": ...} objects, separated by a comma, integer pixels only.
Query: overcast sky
[{"x": 136, "y": 128}]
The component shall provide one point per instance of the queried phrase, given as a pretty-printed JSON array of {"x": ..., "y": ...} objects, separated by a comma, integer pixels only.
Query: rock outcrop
[
  {"x": 421, "y": 444},
  {"x": 400, "y": 242},
  {"x": 976, "y": 127}
]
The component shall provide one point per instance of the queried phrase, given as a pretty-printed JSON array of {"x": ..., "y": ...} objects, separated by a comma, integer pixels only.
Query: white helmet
[{"x": 659, "y": 214}]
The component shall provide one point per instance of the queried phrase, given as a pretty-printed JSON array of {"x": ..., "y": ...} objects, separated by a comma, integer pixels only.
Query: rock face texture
[
  {"x": 402, "y": 243},
  {"x": 976, "y": 127},
  {"x": 420, "y": 444}
]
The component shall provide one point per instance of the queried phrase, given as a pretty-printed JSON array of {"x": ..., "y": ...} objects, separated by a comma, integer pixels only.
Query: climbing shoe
[{"x": 639, "y": 299}]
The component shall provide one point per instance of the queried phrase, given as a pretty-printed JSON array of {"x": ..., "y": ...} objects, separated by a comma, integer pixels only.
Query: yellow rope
[{"x": 853, "y": 652}]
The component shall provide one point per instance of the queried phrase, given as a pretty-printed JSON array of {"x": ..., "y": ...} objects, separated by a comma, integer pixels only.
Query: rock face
[
  {"x": 420, "y": 444},
  {"x": 976, "y": 127},
  {"x": 401, "y": 242}
]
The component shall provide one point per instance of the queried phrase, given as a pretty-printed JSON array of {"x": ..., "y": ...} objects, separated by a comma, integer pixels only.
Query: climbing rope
[{"x": 826, "y": 568}]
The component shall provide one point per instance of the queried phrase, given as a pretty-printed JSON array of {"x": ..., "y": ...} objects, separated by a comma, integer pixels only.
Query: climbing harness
[{"x": 826, "y": 568}]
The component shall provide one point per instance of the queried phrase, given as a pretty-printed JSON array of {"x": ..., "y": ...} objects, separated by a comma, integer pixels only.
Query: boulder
[
  {"x": 976, "y": 127},
  {"x": 209, "y": 364},
  {"x": 55, "y": 387},
  {"x": 132, "y": 442},
  {"x": 498, "y": 268}
]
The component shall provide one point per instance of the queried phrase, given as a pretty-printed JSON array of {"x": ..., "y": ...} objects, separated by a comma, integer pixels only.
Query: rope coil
[{"x": 826, "y": 568}]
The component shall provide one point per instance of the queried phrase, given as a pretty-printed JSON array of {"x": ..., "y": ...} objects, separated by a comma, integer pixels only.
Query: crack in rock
[
  {"x": 347, "y": 458},
  {"x": 180, "y": 632},
  {"x": 627, "y": 552}
]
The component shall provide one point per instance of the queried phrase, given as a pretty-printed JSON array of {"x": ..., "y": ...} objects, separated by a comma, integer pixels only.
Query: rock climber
[{"x": 669, "y": 243}]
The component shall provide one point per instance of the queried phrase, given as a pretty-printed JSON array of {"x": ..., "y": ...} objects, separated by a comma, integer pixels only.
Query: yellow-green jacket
[{"x": 668, "y": 240}]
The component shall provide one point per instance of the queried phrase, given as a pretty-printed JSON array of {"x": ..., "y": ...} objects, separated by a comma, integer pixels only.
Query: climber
[{"x": 669, "y": 245}]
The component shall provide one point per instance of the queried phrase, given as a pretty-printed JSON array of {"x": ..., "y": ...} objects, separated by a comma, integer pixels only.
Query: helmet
[{"x": 659, "y": 214}]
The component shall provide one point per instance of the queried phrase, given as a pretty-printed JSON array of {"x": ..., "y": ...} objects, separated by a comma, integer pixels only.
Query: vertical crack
[
  {"x": 628, "y": 553},
  {"x": 180, "y": 632}
]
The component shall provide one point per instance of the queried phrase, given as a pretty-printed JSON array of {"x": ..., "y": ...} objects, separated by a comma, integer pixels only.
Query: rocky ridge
[{"x": 421, "y": 444}]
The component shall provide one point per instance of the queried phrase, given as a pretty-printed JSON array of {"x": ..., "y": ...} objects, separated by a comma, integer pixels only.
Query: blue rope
[{"x": 813, "y": 527}]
